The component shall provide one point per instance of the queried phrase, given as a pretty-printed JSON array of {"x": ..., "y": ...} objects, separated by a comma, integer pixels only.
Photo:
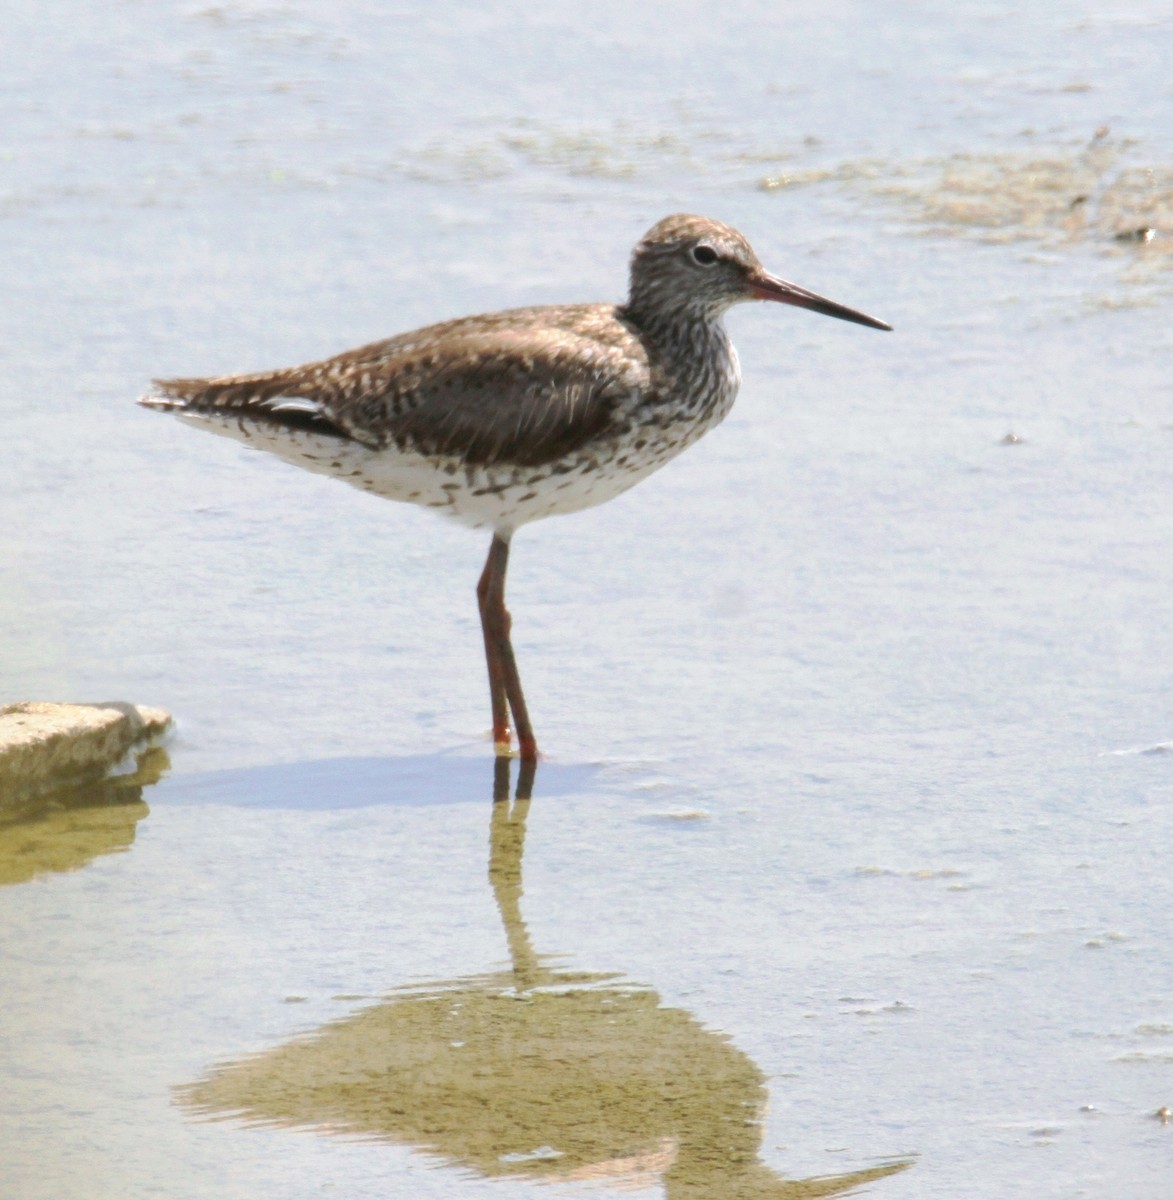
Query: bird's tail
[{"x": 224, "y": 392}]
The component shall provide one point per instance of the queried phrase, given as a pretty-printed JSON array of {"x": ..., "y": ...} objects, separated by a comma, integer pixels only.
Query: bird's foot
[
  {"x": 527, "y": 747},
  {"x": 502, "y": 740}
]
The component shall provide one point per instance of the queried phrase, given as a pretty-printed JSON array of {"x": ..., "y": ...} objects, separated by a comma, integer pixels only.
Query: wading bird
[{"x": 502, "y": 419}]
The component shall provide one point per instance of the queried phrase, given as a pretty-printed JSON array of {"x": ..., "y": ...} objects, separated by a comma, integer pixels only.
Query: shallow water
[{"x": 857, "y": 717}]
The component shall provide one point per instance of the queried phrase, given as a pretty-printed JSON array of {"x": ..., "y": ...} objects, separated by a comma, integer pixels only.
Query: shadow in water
[
  {"x": 334, "y": 783},
  {"x": 532, "y": 1071},
  {"x": 73, "y": 827}
]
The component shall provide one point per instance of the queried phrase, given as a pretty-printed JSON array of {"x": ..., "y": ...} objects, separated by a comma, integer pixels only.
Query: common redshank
[{"x": 502, "y": 419}]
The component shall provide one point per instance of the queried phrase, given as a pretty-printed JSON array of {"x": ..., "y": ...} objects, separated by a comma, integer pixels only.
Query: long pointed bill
[{"x": 770, "y": 287}]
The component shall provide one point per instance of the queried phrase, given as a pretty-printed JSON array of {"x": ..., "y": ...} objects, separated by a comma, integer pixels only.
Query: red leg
[
  {"x": 493, "y": 659},
  {"x": 504, "y": 681}
]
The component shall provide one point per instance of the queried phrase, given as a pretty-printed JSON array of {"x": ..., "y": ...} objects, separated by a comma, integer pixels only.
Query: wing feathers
[{"x": 485, "y": 395}]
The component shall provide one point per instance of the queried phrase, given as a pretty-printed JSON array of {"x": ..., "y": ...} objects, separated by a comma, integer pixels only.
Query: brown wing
[
  {"x": 505, "y": 398},
  {"x": 483, "y": 392}
]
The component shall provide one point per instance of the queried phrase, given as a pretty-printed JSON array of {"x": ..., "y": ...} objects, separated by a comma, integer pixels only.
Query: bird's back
[{"x": 522, "y": 386}]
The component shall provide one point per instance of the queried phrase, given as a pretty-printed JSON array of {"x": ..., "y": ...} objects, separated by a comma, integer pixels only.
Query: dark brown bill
[{"x": 770, "y": 287}]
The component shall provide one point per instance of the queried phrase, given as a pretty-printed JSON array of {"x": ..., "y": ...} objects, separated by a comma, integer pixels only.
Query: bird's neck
[
  {"x": 692, "y": 361},
  {"x": 677, "y": 333}
]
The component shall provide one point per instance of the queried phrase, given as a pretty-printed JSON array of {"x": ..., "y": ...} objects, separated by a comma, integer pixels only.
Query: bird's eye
[{"x": 704, "y": 255}]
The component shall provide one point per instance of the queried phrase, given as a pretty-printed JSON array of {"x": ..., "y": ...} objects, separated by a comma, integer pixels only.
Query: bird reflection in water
[{"x": 534, "y": 1072}]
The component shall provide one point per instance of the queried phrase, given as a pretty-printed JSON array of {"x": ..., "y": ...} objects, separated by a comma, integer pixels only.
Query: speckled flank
[{"x": 501, "y": 496}]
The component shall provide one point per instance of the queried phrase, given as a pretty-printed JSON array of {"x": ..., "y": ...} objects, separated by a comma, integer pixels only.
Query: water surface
[{"x": 857, "y": 717}]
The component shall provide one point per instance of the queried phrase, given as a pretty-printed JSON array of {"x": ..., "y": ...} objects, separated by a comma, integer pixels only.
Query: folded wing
[{"x": 485, "y": 397}]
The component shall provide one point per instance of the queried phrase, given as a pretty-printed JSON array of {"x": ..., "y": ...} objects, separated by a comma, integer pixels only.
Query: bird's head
[{"x": 694, "y": 266}]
